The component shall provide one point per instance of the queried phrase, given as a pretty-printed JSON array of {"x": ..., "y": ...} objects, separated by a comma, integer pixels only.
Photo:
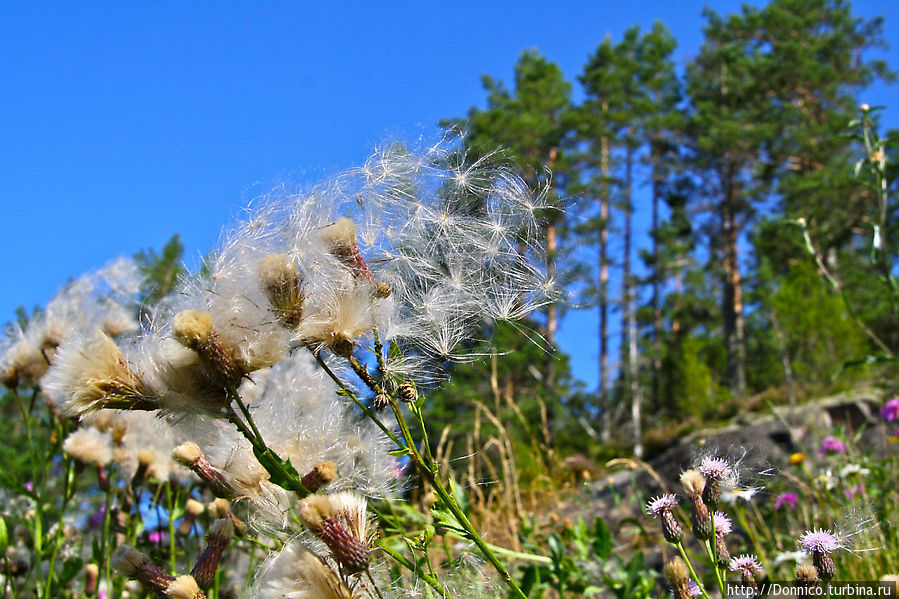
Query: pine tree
[{"x": 530, "y": 124}]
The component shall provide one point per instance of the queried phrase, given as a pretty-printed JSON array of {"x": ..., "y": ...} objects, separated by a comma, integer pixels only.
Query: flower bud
[
  {"x": 131, "y": 563},
  {"x": 283, "y": 287},
  {"x": 319, "y": 476},
  {"x": 217, "y": 541}
]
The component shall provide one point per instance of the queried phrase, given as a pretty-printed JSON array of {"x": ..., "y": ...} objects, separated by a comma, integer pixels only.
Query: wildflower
[
  {"x": 217, "y": 540},
  {"x": 788, "y": 500},
  {"x": 890, "y": 411},
  {"x": 854, "y": 490},
  {"x": 341, "y": 522},
  {"x": 91, "y": 373},
  {"x": 284, "y": 288},
  {"x": 131, "y": 563},
  {"x": 184, "y": 587},
  {"x": 678, "y": 576},
  {"x": 694, "y": 483},
  {"x": 662, "y": 508},
  {"x": 195, "y": 330},
  {"x": 320, "y": 475},
  {"x": 854, "y": 470},
  {"x": 747, "y": 566},
  {"x": 831, "y": 445},
  {"x": 192, "y": 510},
  {"x": 806, "y": 575},
  {"x": 826, "y": 480},
  {"x": 723, "y": 527},
  {"x": 190, "y": 455},
  {"x": 89, "y": 446},
  {"x": 298, "y": 573},
  {"x": 820, "y": 543},
  {"x": 715, "y": 470},
  {"x": 407, "y": 392},
  {"x": 91, "y": 577},
  {"x": 797, "y": 458}
]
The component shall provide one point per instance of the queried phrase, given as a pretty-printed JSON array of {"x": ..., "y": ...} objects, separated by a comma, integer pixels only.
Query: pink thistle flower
[
  {"x": 657, "y": 505},
  {"x": 831, "y": 445},
  {"x": 890, "y": 410},
  {"x": 723, "y": 524},
  {"x": 662, "y": 508},
  {"x": 747, "y": 565},
  {"x": 788, "y": 500},
  {"x": 820, "y": 540}
]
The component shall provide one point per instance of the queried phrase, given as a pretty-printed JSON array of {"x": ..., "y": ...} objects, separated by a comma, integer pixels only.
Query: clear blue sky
[{"x": 124, "y": 122}]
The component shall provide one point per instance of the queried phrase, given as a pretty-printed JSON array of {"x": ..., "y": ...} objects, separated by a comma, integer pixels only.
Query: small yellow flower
[{"x": 797, "y": 458}]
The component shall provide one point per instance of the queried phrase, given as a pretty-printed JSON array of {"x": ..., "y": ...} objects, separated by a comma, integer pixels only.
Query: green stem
[
  {"x": 683, "y": 554},
  {"x": 365, "y": 409},
  {"x": 273, "y": 464},
  {"x": 412, "y": 567},
  {"x": 427, "y": 471}
]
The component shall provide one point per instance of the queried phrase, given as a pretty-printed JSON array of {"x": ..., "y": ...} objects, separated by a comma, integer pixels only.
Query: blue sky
[{"x": 123, "y": 123}]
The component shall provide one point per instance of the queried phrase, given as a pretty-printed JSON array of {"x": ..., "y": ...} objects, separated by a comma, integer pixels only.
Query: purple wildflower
[
  {"x": 831, "y": 445},
  {"x": 853, "y": 491},
  {"x": 789, "y": 500},
  {"x": 723, "y": 524},
  {"x": 820, "y": 543},
  {"x": 657, "y": 505},
  {"x": 821, "y": 540},
  {"x": 662, "y": 508},
  {"x": 890, "y": 410},
  {"x": 746, "y": 565}
]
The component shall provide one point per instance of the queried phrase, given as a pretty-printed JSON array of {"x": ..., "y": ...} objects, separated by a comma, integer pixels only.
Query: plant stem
[{"x": 683, "y": 554}]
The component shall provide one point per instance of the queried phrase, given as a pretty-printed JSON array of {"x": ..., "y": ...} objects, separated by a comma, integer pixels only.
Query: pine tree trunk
[
  {"x": 732, "y": 298},
  {"x": 629, "y": 313},
  {"x": 656, "y": 282},
  {"x": 605, "y": 402}
]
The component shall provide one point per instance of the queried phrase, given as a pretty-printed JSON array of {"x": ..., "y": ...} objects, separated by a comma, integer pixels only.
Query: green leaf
[
  {"x": 281, "y": 472},
  {"x": 394, "y": 352},
  {"x": 70, "y": 569},
  {"x": 602, "y": 539},
  {"x": 398, "y": 453}
]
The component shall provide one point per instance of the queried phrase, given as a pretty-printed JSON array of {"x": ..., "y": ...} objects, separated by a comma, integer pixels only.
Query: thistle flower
[
  {"x": 89, "y": 446},
  {"x": 662, "y": 508},
  {"x": 715, "y": 470},
  {"x": 184, "y": 587},
  {"x": 723, "y": 527},
  {"x": 284, "y": 288},
  {"x": 694, "y": 483},
  {"x": 340, "y": 521},
  {"x": 131, "y": 563},
  {"x": 92, "y": 373},
  {"x": 190, "y": 455},
  {"x": 806, "y": 575},
  {"x": 890, "y": 410},
  {"x": 97, "y": 300},
  {"x": 747, "y": 566},
  {"x": 298, "y": 573},
  {"x": 195, "y": 330},
  {"x": 820, "y": 543},
  {"x": 320, "y": 475},
  {"x": 340, "y": 239},
  {"x": 832, "y": 445},
  {"x": 217, "y": 540},
  {"x": 678, "y": 576}
]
